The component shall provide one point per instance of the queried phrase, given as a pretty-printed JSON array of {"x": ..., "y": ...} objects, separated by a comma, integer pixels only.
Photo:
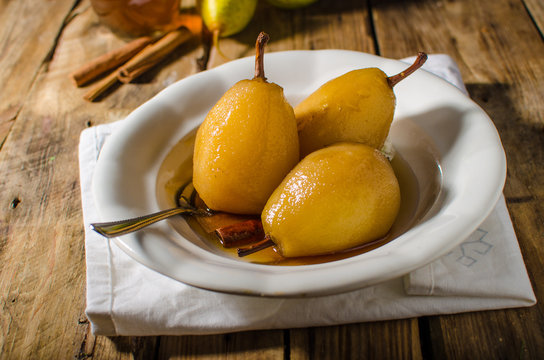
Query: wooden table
[{"x": 499, "y": 48}]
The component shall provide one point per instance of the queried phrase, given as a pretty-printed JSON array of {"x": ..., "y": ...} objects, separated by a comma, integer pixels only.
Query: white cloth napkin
[{"x": 126, "y": 298}]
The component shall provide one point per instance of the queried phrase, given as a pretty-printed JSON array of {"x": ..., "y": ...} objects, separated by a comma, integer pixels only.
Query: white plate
[{"x": 434, "y": 124}]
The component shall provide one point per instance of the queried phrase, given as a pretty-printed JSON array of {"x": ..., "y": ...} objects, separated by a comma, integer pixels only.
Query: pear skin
[
  {"x": 357, "y": 106},
  {"x": 336, "y": 198},
  {"x": 245, "y": 146}
]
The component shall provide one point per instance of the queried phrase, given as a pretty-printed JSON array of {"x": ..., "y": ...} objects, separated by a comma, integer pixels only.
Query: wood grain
[
  {"x": 535, "y": 9},
  {"x": 326, "y": 25},
  {"x": 397, "y": 340},
  {"x": 244, "y": 345},
  {"x": 497, "y": 47},
  {"x": 497, "y": 44},
  {"x": 510, "y": 334},
  {"x": 21, "y": 56},
  {"x": 42, "y": 296}
]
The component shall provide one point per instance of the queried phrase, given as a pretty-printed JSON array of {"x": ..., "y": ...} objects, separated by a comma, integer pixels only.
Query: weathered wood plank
[
  {"x": 378, "y": 340},
  {"x": 493, "y": 43},
  {"x": 26, "y": 41},
  {"x": 87, "y": 38},
  {"x": 122, "y": 348},
  {"x": 326, "y": 24},
  {"x": 42, "y": 277},
  {"x": 41, "y": 243},
  {"x": 485, "y": 335},
  {"x": 499, "y": 52},
  {"x": 536, "y": 11},
  {"x": 243, "y": 345}
]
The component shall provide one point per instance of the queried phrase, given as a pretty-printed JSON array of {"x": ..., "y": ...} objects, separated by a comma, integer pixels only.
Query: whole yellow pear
[
  {"x": 357, "y": 106},
  {"x": 246, "y": 145},
  {"x": 335, "y": 198}
]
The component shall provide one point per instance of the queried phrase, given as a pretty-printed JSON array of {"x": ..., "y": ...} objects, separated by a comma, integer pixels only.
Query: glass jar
[{"x": 137, "y": 17}]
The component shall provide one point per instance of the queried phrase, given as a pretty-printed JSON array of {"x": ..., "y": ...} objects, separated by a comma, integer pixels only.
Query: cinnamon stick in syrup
[{"x": 240, "y": 234}]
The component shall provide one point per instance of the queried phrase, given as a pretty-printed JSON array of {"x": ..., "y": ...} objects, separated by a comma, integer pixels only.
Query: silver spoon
[{"x": 184, "y": 198}]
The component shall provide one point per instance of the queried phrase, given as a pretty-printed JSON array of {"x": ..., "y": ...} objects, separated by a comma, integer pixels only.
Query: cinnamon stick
[
  {"x": 152, "y": 54},
  {"x": 240, "y": 234},
  {"x": 141, "y": 62},
  {"x": 109, "y": 61},
  {"x": 100, "y": 87},
  {"x": 253, "y": 248}
]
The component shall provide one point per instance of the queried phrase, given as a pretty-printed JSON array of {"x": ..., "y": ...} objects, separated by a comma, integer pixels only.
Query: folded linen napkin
[{"x": 126, "y": 298}]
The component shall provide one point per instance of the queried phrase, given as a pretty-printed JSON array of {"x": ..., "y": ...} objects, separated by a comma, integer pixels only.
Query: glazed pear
[
  {"x": 336, "y": 198},
  {"x": 357, "y": 106},
  {"x": 246, "y": 145}
]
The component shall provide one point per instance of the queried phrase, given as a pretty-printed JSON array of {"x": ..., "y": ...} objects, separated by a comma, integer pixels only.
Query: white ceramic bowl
[{"x": 450, "y": 144}]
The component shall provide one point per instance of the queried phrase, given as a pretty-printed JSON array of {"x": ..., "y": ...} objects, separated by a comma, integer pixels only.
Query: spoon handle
[{"x": 122, "y": 227}]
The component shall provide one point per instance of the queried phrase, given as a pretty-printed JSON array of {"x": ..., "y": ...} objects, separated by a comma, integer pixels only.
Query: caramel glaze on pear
[
  {"x": 246, "y": 145},
  {"x": 336, "y": 198},
  {"x": 357, "y": 106}
]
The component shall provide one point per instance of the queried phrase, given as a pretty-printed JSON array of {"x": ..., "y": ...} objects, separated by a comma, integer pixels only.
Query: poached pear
[
  {"x": 334, "y": 199},
  {"x": 357, "y": 106},
  {"x": 246, "y": 145}
]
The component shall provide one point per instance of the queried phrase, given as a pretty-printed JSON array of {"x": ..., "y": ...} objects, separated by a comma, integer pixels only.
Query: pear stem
[
  {"x": 420, "y": 60},
  {"x": 215, "y": 42},
  {"x": 262, "y": 40}
]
